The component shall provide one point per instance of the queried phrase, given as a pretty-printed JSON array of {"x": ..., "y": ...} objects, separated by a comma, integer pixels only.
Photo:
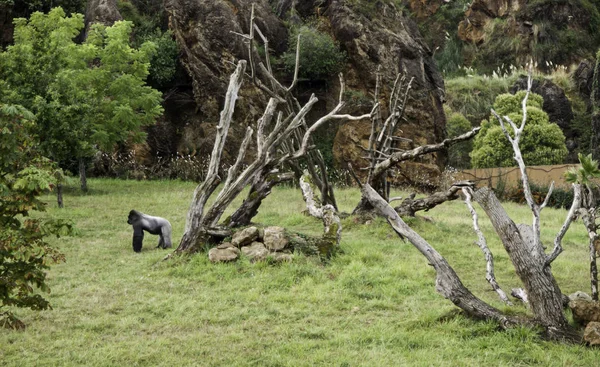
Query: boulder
[
  {"x": 256, "y": 251},
  {"x": 580, "y": 295},
  {"x": 245, "y": 237},
  {"x": 591, "y": 334},
  {"x": 585, "y": 310},
  {"x": 225, "y": 252},
  {"x": 275, "y": 238}
]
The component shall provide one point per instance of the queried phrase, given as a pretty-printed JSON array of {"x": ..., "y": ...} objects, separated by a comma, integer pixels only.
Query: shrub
[
  {"x": 542, "y": 142},
  {"x": 457, "y": 124},
  {"x": 320, "y": 55}
]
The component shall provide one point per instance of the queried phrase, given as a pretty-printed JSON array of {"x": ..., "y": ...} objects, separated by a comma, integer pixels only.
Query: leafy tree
[
  {"x": 24, "y": 252},
  {"x": 320, "y": 55},
  {"x": 542, "y": 142},
  {"x": 85, "y": 96}
]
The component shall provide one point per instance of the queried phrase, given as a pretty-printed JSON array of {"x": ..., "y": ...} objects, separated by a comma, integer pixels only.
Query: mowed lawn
[{"x": 373, "y": 305}]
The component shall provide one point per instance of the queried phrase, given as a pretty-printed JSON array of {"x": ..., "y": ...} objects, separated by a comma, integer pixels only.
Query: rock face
[
  {"x": 558, "y": 108},
  {"x": 392, "y": 41},
  {"x": 482, "y": 12},
  {"x": 209, "y": 51},
  {"x": 101, "y": 11}
]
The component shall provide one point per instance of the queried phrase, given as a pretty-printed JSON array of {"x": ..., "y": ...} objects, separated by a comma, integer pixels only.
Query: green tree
[
  {"x": 24, "y": 252},
  {"x": 320, "y": 55},
  {"x": 542, "y": 142},
  {"x": 85, "y": 96}
]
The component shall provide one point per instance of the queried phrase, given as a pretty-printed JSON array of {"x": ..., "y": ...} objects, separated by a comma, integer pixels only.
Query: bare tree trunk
[
  {"x": 448, "y": 284},
  {"x": 410, "y": 206},
  {"x": 327, "y": 213},
  {"x": 589, "y": 220},
  {"x": 529, "y": 261},
  {"x": 59, "y": 195},
  {"x": 260, "y": 189},
  {"x": 82, "y": 176},
  {"x": 595, "y": 103}
]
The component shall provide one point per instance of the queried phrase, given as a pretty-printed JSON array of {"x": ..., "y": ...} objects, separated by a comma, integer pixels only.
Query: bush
[
  {"x": 458, "y": 154},
  {"x": 542, "y": 142},
  {"x": 320, "y": 55}
]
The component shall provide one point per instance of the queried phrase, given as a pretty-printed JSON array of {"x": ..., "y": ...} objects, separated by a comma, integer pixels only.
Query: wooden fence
[{"x": 511, "y": 177}]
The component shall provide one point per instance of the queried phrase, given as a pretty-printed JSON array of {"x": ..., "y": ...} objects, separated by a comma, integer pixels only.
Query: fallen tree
[{"x": 521, "y": 242}]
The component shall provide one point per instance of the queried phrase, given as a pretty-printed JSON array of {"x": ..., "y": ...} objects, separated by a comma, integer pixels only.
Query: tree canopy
[
  {"x": 86, "y": 95},
  {"x": 24, "y": 252},
  {"x": 542, "y": 141}
]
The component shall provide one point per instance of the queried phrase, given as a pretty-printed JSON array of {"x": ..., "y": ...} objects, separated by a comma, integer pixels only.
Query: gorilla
[{"x": 154, "y": 225}]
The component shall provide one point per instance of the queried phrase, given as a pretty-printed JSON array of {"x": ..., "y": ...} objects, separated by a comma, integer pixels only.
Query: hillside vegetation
[{"x": 373, "y": 305}]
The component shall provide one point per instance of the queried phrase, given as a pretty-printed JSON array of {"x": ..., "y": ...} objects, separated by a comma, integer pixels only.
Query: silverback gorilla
[{"x": 154, "y": 225}]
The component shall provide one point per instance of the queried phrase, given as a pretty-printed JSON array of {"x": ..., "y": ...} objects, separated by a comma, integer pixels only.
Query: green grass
[{"x": 373, "y": 305}]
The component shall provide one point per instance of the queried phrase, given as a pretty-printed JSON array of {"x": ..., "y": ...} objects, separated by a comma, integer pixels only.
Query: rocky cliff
[{"x": 204, "y": 31}]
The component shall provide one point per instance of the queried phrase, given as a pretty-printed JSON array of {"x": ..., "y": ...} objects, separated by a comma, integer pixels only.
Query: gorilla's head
[{"x": 133, "y": 217}]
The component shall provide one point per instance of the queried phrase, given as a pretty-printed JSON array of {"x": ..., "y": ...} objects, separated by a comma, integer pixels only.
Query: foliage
[
  {"x": 83, "y": 95},
  {"x": 587, "y": 170},
  {"x": 320, "y": 55},
  {"x": 148, "y": 16},
  {"x": 457, "y": 124},
  {"x": 24, "y": 251},
  {"x": 22, "y": 8},
  {"x": 473, "y": 95},
  {"x": 542, "y": 142},
  {"x": 498, "y": 48}
]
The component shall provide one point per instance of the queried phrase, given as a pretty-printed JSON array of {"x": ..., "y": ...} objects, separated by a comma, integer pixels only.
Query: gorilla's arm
[
  {"x": 138, "y": 238},
  {"x": 165, "y": 236}
]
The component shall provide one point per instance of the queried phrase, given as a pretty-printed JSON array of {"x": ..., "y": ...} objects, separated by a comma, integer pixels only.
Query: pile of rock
[
  {"x": 255, "y": 243},
  {"x": 586, "y": 311}
]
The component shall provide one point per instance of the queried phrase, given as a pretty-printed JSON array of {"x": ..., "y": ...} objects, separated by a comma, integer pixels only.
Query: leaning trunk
[
  {"x": 448, "y": 284},
  {"x": 410, "y": 206},
  {"x": 59, "y": 195},
  {"x": 260, "y": 189},
  {"x": 82, "y": 176},
  {"x": 545, "y": 297}
]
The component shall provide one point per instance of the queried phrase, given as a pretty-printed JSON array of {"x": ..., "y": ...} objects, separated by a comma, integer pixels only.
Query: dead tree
[
  {"x": 261, "y": 75},
  {"x": 522, "y": 243},
  {"x": 582, "y": 177},
  {"x": 383, "y": 152},
  {"x": 327, "y": 213},
  {"x": 275, "y": 146}
]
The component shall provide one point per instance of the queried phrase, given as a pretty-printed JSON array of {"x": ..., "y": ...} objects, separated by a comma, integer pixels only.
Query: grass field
[{"x": 373, "y": 305}]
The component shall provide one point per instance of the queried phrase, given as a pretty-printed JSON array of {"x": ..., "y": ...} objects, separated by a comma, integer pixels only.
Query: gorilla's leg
[{"x": 161, "y": 242}]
